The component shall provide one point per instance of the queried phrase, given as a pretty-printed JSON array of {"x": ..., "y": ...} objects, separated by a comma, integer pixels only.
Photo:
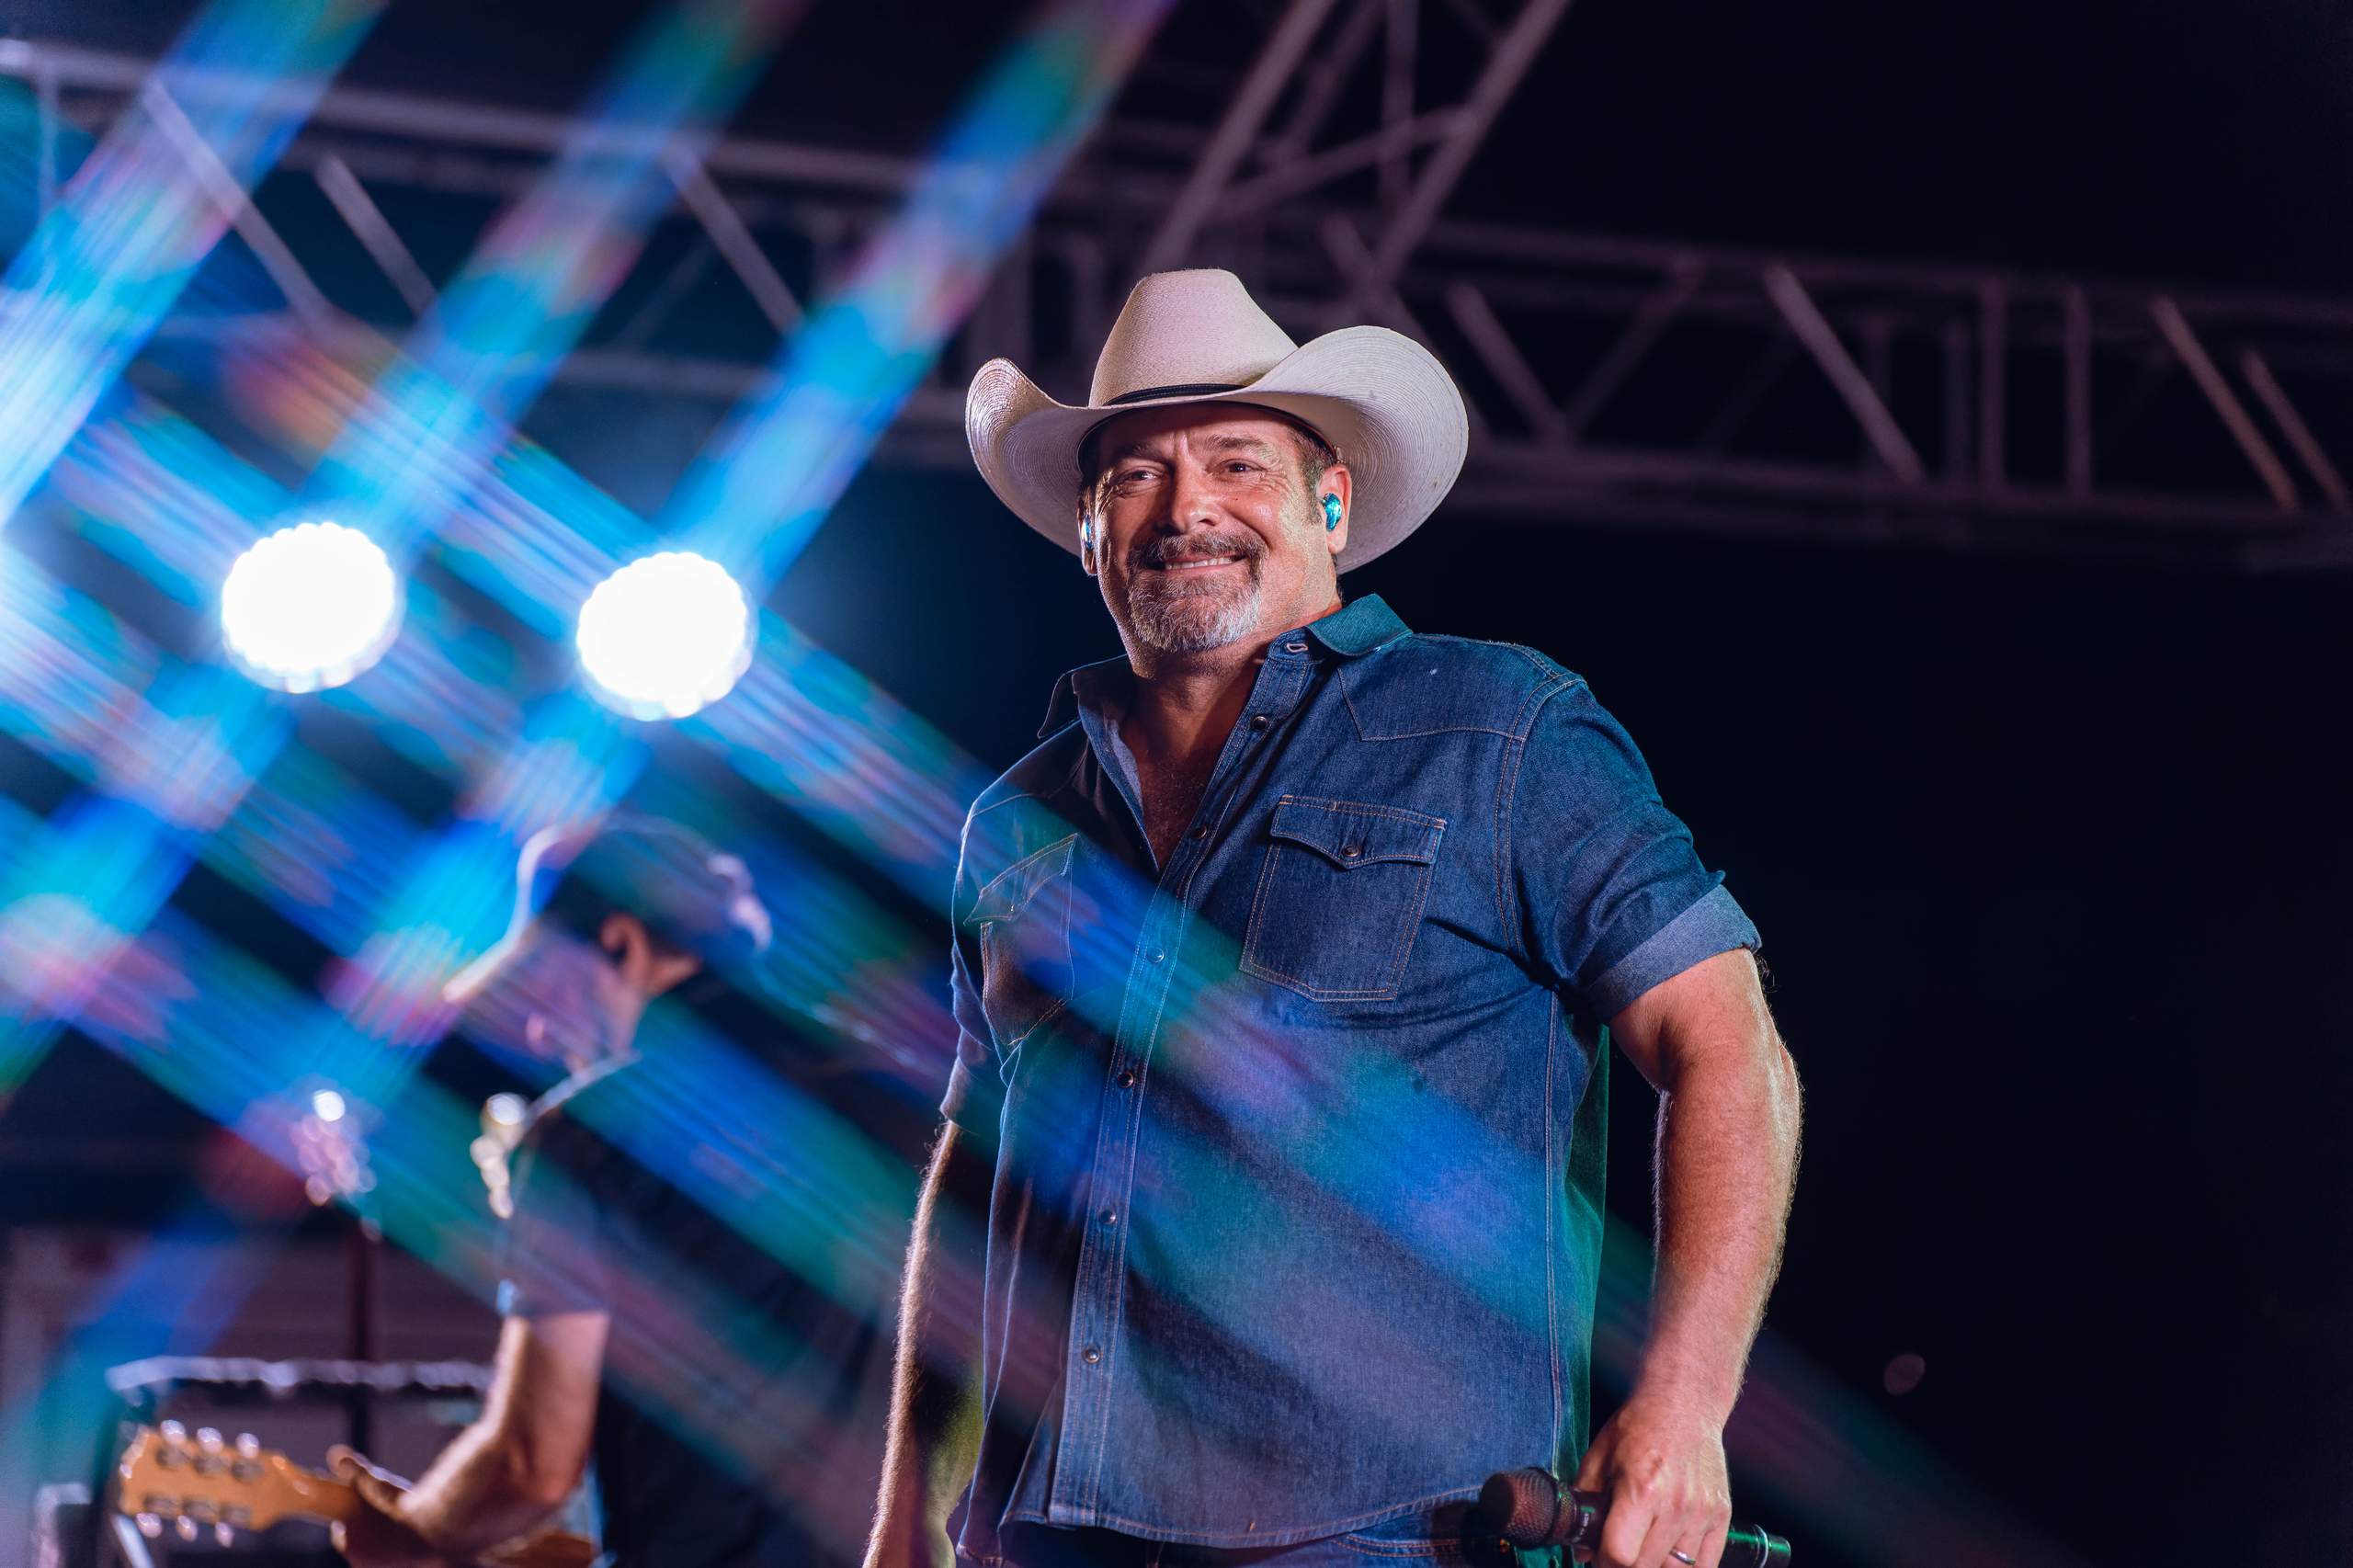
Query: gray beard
[{"x": 1175, "y": 617}]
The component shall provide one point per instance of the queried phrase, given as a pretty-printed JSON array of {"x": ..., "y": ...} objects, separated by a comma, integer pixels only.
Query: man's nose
[{"x": 1192, "y": 502}]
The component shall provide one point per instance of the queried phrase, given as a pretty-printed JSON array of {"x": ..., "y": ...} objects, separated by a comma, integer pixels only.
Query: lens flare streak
[
  {"x": 111, "y": 258},
  {"x": 236, "y": 1050},
  {"x": 767, "y": 480},
  {"x": 440, "y": 410},
  {"x": 660, "y": 83}
]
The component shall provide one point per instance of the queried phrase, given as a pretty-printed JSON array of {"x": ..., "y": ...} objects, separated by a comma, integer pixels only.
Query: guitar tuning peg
[
  {"x": 185, "y": 1527},
  {"x": 209, "y": 1439},
  {"x": 248, "y": 1446},
  {"x": 149, "y": 1526},
  {"x": 173, "y": 1431},
  {"x": 223, "y": 1533}
]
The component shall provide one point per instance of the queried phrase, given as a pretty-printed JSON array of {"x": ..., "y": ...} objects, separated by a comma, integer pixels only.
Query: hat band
[
  {"x": 1190, "y": 388},
  {"x": 1144, "y": 395}
]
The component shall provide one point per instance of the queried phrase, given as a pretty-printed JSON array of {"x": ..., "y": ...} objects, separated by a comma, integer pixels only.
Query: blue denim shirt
[{"x": 1297, "y": 1214}]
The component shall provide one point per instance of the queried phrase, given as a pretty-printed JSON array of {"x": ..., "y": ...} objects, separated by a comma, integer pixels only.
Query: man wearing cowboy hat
[{"x": 1285, "y": 969}]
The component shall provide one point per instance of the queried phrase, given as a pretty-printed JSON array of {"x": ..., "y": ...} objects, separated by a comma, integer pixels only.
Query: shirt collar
[
  {"x": 1352, "y": 632},
  {"x": 1087, "y": 685},
  {"x": 1358, "y": 629}
]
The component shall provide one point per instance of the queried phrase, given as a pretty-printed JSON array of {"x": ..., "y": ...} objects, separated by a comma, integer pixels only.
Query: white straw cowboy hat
[{"x": 1380, "y": 400}]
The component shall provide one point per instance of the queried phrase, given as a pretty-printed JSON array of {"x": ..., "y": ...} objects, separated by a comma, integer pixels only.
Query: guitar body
[{"x": 200, "y": 1484}]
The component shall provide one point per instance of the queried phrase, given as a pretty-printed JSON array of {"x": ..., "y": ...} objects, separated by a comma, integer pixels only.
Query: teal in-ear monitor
[{"x": 1331, "y": 512}]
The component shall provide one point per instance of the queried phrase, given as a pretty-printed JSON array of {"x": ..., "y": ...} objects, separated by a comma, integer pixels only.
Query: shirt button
[
  {"x": 1201, "y": 833},
  {"x": 1090, "y": 1355},
  {"x": 1155, "y": 956},
  {"x": 1350, "y": 852},
  {"x": 1110, "y": 1216},
  {"x": 1259, "y": 720},
  {"x": 1127, "y": 1078}
]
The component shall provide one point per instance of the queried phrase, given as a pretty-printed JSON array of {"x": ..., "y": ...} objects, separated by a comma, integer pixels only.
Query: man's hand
[
  {"x": 379, "y": 1536},
  {"x": 1662, "y": 1467}
]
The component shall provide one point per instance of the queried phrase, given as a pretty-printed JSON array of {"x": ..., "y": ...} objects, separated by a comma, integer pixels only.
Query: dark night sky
[{"x": 2051, "y": 855}]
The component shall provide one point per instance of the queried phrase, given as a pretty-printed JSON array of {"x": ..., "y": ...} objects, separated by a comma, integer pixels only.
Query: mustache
[{"x": 1146, "y": 554}]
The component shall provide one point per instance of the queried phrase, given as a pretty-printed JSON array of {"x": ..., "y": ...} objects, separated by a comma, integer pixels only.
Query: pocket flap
[
  {"x": 1350, "y": 834},
  {"x": 1009, "y": 891}
]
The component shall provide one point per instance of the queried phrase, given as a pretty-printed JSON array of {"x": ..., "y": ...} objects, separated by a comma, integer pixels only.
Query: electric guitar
[{"x": 199, "y": 1484}]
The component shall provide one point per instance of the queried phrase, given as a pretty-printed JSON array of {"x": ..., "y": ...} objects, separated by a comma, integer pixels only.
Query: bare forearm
[
  {"x": 935, "y": 1405},
  {"x": 516, "y": 1464},
  {"x": 1727, "y": 1164},
  {"x": 475, "y": 1496}
]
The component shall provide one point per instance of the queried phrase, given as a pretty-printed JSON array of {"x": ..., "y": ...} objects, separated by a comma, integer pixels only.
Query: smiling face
[{"x": 1210, "y": 528}]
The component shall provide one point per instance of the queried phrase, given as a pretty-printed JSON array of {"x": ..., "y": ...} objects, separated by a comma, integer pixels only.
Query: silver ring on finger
[{"x": 1684, "y": 1557}]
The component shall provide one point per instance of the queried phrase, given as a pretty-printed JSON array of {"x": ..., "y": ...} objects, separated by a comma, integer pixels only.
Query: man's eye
[{"x": 1238, "y": 466}]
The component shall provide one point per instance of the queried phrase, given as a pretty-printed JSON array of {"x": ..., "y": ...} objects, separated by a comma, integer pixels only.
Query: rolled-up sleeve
[
  {"x": 1611, "y": 896},
  {"x": 975, "y": 1097}
]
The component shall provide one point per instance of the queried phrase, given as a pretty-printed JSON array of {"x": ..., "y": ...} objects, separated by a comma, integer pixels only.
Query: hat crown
[{"x": 1192, "y": 329}]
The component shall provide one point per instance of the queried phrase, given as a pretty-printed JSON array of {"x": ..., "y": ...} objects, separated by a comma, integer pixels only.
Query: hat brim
[
  {"x": 463, "y": 987},
  {"x": 1381, "y": 400}
]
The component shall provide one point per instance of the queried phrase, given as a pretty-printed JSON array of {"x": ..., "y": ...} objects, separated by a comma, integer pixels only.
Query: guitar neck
[
  {"x": 314, "y": 1495},
  {"x": 202, "y": 1482}
]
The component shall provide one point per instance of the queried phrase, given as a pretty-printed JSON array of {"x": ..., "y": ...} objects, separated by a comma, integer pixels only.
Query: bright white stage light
[
  {"x": 326, "y": 1104},
  {"x": 666, "y": 636},
  {"x": 309, "y": 606}
]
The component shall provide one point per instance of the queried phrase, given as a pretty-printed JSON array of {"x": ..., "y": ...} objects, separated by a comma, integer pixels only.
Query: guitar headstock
[{"x": 199, "y": 1481}]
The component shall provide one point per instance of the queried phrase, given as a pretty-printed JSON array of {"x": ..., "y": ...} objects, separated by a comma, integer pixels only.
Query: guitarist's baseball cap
[{"x": 692, "y": 894}]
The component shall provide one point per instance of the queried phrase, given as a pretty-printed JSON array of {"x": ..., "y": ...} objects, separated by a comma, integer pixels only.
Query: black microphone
[{"x": 1531, "y": 1509}]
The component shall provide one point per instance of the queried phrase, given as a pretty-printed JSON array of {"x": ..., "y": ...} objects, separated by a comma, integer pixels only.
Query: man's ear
[
  {"x": 1337, "y": 480},
  {"x": 645, "y": 965}
]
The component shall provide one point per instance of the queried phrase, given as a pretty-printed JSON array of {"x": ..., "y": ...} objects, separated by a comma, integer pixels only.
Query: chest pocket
[
  {"x": 1023, "y": 918},
  {"x": 1340, "y": 897}
]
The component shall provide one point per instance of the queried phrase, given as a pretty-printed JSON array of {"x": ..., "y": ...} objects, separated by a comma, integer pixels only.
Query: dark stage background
[{"x": 2050, "y": 850}]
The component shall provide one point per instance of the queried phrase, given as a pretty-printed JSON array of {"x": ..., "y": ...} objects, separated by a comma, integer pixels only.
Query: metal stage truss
[{"x": 1612, "y": 379}]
